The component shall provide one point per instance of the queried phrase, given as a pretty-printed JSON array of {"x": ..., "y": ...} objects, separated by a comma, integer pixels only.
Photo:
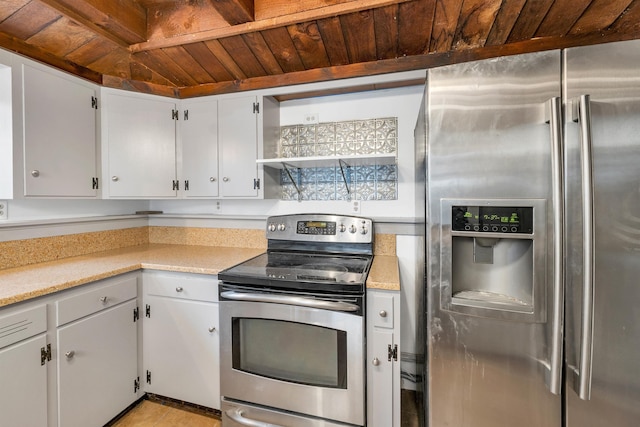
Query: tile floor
[
  {"x": 160, "y": 413},
  {"x": 155, "y": 413}
]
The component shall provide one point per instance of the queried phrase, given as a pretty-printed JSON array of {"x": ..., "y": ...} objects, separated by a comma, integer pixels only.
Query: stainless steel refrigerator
[{"x": 531, "y": 167}]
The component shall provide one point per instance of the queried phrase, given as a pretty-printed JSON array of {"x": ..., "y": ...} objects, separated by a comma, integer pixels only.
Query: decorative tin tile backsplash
[{"x": 355, "y": 137}]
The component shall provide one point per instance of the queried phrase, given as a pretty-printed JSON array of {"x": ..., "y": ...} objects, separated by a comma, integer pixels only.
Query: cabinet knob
[
  {"x": 375, "y": 361},
  {"x": 225, "y": 179},
  {"x": 383, "y": 313},
  {"x": 114, "y": 178},
  {"x": 179, "y": 289},
  {"x": 70, "y": 354},
  {"x": 212, "y": 329},
  {"x": 35, "y": 173},
  {"x": 104, "y": 300},
  {"x": 212, "y": 179}
]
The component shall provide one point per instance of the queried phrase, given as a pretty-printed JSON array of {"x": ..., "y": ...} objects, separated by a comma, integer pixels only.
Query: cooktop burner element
[{"x": 313, "y": 252}]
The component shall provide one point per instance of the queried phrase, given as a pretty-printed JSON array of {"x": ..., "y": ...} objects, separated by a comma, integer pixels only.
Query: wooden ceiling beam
[
  {"x": 235, "y": 11},
  {"x": 18, "y": 46},
  {"x": 408, "y": 63},
  {"x": 264, "y": 24},
  {"x": 124, "y": 23}
]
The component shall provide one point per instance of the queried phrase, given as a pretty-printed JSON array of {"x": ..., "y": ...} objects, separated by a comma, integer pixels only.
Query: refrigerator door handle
[
  {"x": 554, "y": 382},
  {"x": 582, "y": 383}
]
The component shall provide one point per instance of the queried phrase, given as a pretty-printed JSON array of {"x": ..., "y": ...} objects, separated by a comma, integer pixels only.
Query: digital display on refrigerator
[{"x": 492, "y": 219}]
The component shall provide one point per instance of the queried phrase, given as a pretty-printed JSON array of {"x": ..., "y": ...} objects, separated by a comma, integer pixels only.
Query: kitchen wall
[{"x": 35, "y": 218}]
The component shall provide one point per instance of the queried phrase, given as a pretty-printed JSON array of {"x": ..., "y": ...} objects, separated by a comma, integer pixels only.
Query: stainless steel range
[{"x": 292, "y": 325}]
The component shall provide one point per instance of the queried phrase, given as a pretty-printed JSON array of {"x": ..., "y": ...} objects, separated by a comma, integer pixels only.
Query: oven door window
[{"x": 290, "y": 351}]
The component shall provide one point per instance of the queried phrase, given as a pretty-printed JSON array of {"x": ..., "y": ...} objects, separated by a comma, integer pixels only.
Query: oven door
[{"x": 293, "y": 353}]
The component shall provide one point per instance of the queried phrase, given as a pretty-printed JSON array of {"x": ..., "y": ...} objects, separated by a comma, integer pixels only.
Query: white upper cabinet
[
  {"x": 198, "y": 148},
  {"x": 244, "y": 124},
  {"x": 54, "y": 133},
  {"x": 139, "y": 145}
]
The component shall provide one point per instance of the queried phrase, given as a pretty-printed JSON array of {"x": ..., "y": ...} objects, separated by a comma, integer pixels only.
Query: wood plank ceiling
[{"x": 187, "y": 48}]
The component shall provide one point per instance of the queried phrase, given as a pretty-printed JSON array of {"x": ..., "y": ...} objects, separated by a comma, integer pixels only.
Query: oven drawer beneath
[{"x": 241, "y": 414}]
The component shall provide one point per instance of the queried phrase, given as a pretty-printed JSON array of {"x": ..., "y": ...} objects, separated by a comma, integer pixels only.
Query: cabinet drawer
[
  {"x": 109, "y": 293},
  {"x": 23, "y": 324},
  {"x": 181, "y": 285},
  {"x": 381, "y": 310}
]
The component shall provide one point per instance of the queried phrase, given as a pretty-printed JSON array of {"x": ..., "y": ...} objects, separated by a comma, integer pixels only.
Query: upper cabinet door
[
  {"x": 238, "y": 118},
  {"x": 140, "y": 141},
  {"x": 59, "y": 135},
  {"x": 199, "y": 148}
]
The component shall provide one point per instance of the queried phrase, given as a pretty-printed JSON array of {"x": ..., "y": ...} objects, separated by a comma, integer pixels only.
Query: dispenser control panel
[{"x": 492, "y": 219}]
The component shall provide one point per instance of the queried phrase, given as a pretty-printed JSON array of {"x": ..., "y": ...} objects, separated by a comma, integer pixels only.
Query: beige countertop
[{"x": 30, "y": 281}]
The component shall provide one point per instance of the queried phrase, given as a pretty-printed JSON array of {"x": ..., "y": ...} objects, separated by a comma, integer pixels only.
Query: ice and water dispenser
[{"x": 493, "y": 258}]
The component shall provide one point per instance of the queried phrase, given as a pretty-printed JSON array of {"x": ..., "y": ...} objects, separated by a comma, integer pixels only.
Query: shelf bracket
[
  {"x": 346, "y": 176},
  {"x": 295, "y": 185}
]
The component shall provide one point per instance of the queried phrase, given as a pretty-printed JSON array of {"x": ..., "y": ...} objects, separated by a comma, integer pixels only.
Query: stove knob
[
  {"x": 343, "y": 228},
  {"x": 282, "y": 227},
  {"x": 364, "y": 230},
  {"x": 353, "y": 229},
  {"x": 272, "y": 227}
]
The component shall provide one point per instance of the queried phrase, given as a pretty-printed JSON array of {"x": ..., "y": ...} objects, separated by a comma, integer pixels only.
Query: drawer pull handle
[
  {"x": 212, "y": 329},
  {"x": 383, "y": 313},
  {"x": 179, "y": 289},
  {"x": 104, "y": 300},
  {"x": 70, "y": 354},
  {"x": 375, "y": 361}
]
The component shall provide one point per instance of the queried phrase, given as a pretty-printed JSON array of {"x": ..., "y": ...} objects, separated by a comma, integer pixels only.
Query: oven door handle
[
  {"x": 290, "y": 300},
  {"x": 236, "y": 415}
]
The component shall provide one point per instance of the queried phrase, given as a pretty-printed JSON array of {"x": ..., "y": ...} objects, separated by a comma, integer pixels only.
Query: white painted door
[
  {"x": 59, "y": 135},
  {"x": 97, "y": 366},
  {"x": 23, "y": 379},
  {"x": 238, "y": 121},
  {"x": 383, "y": 368},
  {"x": 199, "y": 148},
  {"x": 141, "y": 142},
  {"x": 181, "y": 350}
]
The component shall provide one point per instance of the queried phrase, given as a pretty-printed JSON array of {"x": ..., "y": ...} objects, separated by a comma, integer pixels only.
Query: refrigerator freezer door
[
  {"x": 603, "y": 97},
  {"x": 490, "y": 139}
]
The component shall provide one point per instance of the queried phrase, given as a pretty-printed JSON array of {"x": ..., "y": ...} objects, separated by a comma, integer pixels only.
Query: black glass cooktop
[{"x": 304, "y": 271}]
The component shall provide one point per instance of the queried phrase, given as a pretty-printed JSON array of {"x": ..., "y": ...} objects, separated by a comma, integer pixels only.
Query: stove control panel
[{"x": 320, "y": 227}]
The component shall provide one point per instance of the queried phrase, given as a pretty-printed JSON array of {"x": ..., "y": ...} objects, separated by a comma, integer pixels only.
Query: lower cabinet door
[
  {"x": 97, "y": 367},
  {"x": 23, "y": 384},
  {"x": 181, "y": 350}
]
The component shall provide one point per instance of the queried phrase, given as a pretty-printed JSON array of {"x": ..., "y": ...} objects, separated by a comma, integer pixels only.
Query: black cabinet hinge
[
  {"x": 256, "y": 108},
  {"x": 148, "y": 377},
  {"x": 136, "y": 385},
  {"x": 136, "y": 314},
  {"x": 186, "y": 185},
  {"x": 94, "y": 102},
  {"x": 94, "y": 183},
  {"x": 174, "y": 114},
  {"x": 147, "y": 311},
  {"x": 186, "y": 114},
  {"x": 45, "y": 354},
  {"x": 176, "y": 185},
  {"x": 256, "y": 184},
  {"x": 392, "y": 353}
]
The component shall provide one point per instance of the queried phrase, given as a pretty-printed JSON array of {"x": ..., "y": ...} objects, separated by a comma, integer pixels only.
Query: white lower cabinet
[
  {"x": 181, "y": 338},
  {"x": 97, "y": 349},
  {"x": 383, "y": 358},
  {"x": 23, "y": 373}
]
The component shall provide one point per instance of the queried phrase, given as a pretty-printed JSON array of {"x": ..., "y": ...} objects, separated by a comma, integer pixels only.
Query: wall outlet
[
  {"x": 218, "y": 205},
  {"x": 4, "y": 210},
  {"x": 311, "y": 118},
  {"x": 355, "y": 206}
]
